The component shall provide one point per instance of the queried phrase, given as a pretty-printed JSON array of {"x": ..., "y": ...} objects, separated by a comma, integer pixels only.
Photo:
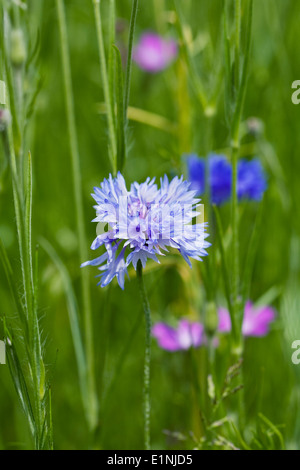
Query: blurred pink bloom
[
  {"x": 224, "y": 320},
  {"x": 185, "y": 336},
  {"x": 256, "y": 320},
  {"x": 153, "y": 53}
]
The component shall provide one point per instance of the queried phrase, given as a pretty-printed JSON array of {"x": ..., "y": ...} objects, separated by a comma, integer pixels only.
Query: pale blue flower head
[{"x": 141, "y": 223}]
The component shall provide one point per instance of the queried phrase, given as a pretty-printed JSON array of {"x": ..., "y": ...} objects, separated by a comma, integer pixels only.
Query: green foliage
[{"x": 75, "y": 351}]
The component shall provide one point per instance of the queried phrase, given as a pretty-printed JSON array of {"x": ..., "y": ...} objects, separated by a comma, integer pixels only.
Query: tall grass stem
[
  {"x": 77, "y": 187},
  {"x": 129, "y": 56},
  {"x": 106, "y": 87}
]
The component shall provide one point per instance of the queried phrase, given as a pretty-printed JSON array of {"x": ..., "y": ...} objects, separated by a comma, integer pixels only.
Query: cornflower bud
[{"x": 17, "y": 48}]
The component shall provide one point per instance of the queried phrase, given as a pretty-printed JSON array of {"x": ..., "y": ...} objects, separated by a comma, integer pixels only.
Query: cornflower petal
[{"x": 144, "y": 222}]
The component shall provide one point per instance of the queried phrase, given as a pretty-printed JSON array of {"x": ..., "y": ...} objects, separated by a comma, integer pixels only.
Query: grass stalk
[
  {"x": 106, "y": 88},
  {"x": 111, "y": 61},
  {"x": 129, "y": 56},
  {"x": 29, "y": 319},
  {"x": 237, "y": 42},
  {"x": 235, "y": 245},
  {"x": 77, "y": 186},
  {"x": 235, "y": 143}
]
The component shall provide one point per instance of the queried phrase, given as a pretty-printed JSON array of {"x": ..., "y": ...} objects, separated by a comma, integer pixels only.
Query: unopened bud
[
  {"x": 17, "y": 48},
  {"x": 255, "y": 126},
  {"x": 211, "y": 318},
  {"x": 5, "y": 119}
]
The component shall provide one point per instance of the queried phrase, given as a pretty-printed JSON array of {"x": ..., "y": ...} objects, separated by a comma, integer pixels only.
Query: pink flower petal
[
  {"x": 257, "y": 321},
  {"x": 185, "y": 336},
  {"x": 153, "y": 53},
  {"x": 166, "y": 337},
  {"x": 224, "y": 320}
]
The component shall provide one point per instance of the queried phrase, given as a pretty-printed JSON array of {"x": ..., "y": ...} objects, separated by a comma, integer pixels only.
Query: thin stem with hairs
[{"x": 147, "y": 403}]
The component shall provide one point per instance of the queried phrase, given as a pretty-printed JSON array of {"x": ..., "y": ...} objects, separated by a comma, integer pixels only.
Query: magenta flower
[
  {"x": 185, "y": 336},
  {"x": 154, "y": 53},
  {"x": 224, "y": 320},
  {"x": 256, "y": 321}
]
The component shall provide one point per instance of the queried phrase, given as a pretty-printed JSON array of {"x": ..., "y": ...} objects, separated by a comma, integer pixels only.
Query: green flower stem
[
  {"x": 147, "y": 404},
  {"x": 23, "y": 213},
  {"x": 237, "y": 42},
  {"x": 111, "y": 61},
  {"x": 106, "y": 89},
  {"x": 195, "y": 370},
  {"x": 77, "y": 186},
  {"x": 235, "y": 144},
  {"x": 31, "y": 327},
  {"x": 235, "y": 246},
  {"x": 159, "y": 10},
  {"x": 243, "y": 86},
  {"x": 17, "y": 15},
  {"x": 36, "y": 362},
  {"x": 129, "y": 57}
]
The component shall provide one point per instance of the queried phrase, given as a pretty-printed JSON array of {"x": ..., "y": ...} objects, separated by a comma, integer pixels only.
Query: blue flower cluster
[
  {"x": 216, "y": 170},
  {"x": 143, "y": 222}
]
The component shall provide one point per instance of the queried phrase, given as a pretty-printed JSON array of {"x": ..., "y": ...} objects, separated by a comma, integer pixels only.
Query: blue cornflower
[
  {"x": 219, "y": 176},
  {"x": 217, "y": 171},
  {"x": 252, "y": 181},
  {"x": 196, "y": 170},
  {"x": 143, "y": 222}
]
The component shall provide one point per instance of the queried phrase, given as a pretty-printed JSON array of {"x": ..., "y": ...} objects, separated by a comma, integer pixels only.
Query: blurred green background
[{"x": 272, "y": 381}]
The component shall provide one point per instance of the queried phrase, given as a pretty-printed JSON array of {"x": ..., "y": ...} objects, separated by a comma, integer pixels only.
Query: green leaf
[
  {"x": 28, "y": 225},
  {"x": 18, "y": 379},
  {"x": 11, "y": 284},
  {"x": 33, "y": 322},
  {"x": 268, "y": 297}
]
